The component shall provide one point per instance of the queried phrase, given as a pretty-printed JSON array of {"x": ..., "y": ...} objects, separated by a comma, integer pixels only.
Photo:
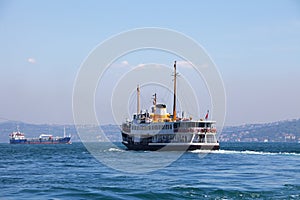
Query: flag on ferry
[{"x": 206, "y": 116}]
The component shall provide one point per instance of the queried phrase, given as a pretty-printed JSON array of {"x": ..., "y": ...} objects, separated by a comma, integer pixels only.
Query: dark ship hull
[
  {"x": 63, "y": 140},
  {"x": 169, "y": 147}
]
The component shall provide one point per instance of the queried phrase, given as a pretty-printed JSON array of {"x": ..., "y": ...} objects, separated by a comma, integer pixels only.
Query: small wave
[
  {"x": 244, "y": 152},
  {"x": 112, "y": 149}
]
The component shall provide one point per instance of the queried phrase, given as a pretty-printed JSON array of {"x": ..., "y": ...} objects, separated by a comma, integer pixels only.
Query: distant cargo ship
[{"x": 19, "y": 138}]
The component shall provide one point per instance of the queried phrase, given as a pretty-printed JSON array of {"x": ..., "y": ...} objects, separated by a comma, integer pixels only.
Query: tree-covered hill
[{"x": 281, "y": 131}]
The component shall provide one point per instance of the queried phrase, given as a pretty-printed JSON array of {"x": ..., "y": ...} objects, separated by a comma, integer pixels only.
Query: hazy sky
[{"x": 255, "y": 45}]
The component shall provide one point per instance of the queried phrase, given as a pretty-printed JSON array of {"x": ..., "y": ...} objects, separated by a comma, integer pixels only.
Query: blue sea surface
[{"x": 237, "y": 171}]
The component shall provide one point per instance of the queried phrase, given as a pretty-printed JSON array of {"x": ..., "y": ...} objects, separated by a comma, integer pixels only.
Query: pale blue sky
[{"x": 255, "y": 45}]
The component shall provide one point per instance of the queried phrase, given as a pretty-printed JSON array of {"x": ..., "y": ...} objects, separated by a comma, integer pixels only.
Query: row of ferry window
[
  {"x": 192, "y": 124},
  {"x": 184, "y": 138},
  {"x": 169, "y": 126},
  {"x": 171, "y": 138},
  {"x": 153, "y": 127}
]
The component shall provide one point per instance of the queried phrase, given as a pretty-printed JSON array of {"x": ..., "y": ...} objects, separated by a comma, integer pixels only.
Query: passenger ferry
[{"x": 160, "y": 130}]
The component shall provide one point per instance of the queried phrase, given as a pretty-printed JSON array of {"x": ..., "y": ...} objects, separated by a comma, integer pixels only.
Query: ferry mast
[
  {"x": 174, "y": 99},
  {"x": 138, "y": 99}
]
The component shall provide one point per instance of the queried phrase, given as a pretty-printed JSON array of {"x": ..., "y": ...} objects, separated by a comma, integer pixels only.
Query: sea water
[{"x": 237, "y": 171}]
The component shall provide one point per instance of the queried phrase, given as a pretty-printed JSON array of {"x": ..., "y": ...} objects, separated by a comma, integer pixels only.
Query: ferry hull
[{"x": 169, "y": 147}]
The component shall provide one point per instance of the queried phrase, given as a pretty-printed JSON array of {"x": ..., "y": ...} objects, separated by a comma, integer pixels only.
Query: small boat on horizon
[{"x": 18, "y": 137}]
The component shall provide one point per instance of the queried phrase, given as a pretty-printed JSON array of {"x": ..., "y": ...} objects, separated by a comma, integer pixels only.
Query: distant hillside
[{"x": 282, "y": 131}]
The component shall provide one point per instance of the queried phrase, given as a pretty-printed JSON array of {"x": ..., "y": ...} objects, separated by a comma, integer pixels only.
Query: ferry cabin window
[
  {"x": 201, "y": 125},
  {"x": 210, "y": 138},
  {"x": 176, "y": 125},
  {"x": 201, "y": 138},
  {"x": 166, "y": 126}
]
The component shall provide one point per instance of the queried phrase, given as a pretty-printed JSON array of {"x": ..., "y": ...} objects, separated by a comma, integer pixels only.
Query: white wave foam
[
  {"x": 243, "y": 152},
  {"x": 115, "y": 150}
]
